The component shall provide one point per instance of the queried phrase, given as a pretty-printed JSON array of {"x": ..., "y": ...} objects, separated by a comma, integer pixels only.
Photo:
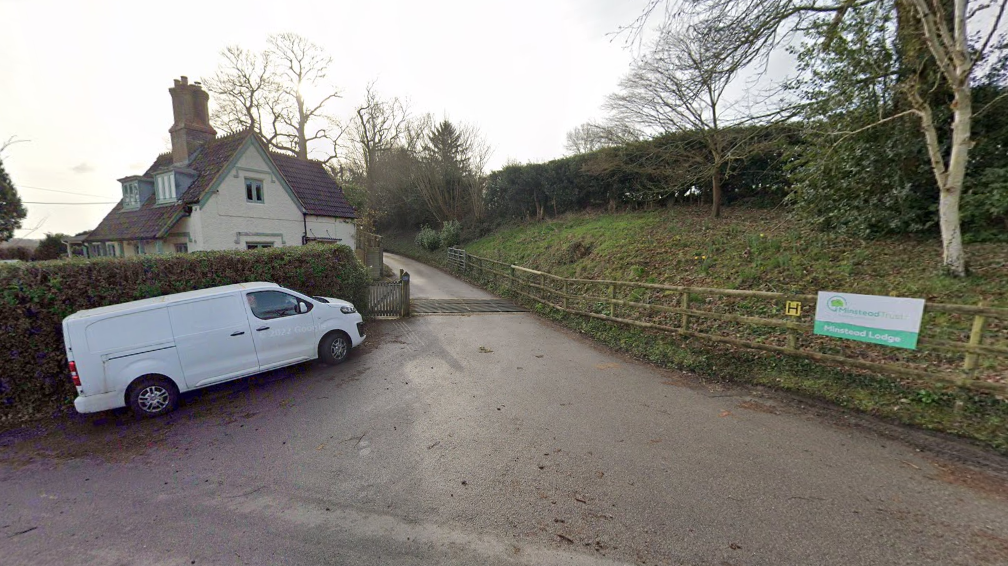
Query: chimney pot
[{"x": 185, "y": 80}]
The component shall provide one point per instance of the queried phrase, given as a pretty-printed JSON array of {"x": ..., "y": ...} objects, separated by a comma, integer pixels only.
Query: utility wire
[
  {"x": 67, "y": 203},
  {"x": 58, "y": 191}
]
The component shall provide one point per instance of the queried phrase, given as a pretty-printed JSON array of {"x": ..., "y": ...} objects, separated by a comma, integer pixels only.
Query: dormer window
[
  {"x": 164, "y": 185},
  {"x": 131, "y": 195}
]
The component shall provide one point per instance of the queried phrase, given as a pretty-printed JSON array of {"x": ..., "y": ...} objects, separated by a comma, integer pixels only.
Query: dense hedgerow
[{"x": 34, "y": 299}]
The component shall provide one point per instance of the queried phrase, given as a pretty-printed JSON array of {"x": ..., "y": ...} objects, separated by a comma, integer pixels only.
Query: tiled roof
[
  {"x": 312, "y": 185},
  {"x": 162, "y": 161},
  {"x": 209, "y": 161},
  {"x": 144, "y": 223}
]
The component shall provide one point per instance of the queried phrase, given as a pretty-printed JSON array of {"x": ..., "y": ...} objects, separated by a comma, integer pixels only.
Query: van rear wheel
[{"x": 153, "y": 396}]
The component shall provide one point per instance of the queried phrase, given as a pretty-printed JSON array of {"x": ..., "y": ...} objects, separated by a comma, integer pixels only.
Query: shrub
[
  {"x": 36, "y": 297},
  {"x": 428, "y": 239},
  {"x": 16, "y": 253},
  {"x": 451, "y": 233},
  {"x": 985, "y": 206},
  {"x": 51, "y": 247}
]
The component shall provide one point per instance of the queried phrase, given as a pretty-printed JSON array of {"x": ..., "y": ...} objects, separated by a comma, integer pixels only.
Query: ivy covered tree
[
  {"x": 12, "y": 212},
  {"x": 864, "y": 167},
  {"x": 861, "y": 170}
]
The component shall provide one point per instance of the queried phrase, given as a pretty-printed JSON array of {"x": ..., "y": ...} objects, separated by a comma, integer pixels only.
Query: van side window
[{"x": 267, "y": 305}]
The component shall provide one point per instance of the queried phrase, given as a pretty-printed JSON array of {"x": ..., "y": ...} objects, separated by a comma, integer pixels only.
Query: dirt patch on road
[
  {"x": 977, "y": 480},
  {"x": 989, "y": 548},
  {"x": 758, "y": 407},
  {"x": 115, "y": 436}
]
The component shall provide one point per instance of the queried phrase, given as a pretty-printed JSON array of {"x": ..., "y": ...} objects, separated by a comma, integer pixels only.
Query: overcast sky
[{"x": 87, "y": 82}]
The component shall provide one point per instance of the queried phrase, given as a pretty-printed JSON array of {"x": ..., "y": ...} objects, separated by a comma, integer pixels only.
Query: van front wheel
[
  {"x": 153, "y": 396},
  {"x": 335, "y": 348}
]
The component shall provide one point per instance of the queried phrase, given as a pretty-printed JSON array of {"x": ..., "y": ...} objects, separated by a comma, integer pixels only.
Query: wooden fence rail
[{"x": 980, "y": 343}]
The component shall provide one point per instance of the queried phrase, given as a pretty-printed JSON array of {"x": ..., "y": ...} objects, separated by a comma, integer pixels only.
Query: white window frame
[
  {"x": 131, "y": 195},
  {"x": 110, "y": 249},
  {"x": 259, "y": 245},
  {"x": 251, "y": 191},
  {"x": 182, "y": 248},
  {"x": 164, "y": 186}
]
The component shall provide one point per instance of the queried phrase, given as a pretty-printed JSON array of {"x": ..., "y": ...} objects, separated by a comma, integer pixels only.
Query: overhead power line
[
  {"x": 58, "y": 191},
  {"x": 67, "y": 203}
]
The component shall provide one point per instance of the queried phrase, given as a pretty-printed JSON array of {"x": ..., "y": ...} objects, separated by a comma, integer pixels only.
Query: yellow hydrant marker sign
[
  {"x": 792, "y": 308},
  {"x": 890, "y": 321}
]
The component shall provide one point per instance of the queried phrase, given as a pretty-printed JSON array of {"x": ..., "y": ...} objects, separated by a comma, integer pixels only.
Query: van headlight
[{"x": 347, "y": 309}]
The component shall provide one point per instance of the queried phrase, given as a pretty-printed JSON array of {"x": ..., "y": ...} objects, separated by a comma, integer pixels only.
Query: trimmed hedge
[{"x": 37, "y": 297}]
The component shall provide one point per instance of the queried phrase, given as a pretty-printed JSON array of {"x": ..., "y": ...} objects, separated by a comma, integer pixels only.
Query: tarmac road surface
[{"x": 485, "y": 439}]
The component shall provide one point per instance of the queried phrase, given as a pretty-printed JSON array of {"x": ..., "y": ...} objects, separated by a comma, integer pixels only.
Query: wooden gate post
[{"x": 404, "y": 279}]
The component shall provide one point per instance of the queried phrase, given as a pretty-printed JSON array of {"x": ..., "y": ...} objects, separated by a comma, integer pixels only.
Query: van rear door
[{"x": 213, "y": 339}]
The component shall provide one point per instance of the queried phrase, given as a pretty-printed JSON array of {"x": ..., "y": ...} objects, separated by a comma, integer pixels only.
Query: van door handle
[
  {"x": 261, "y": 328},
  {"x": 239, "y": 333}
]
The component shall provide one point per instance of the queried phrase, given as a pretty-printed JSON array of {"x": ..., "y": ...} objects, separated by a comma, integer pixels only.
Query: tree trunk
[
  {"x": 951, "y": 190},
  {"x": 716, "y": 192}
]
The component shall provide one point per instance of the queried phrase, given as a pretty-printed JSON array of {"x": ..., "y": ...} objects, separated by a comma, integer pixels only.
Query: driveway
[{"x": 485, "y": 439}]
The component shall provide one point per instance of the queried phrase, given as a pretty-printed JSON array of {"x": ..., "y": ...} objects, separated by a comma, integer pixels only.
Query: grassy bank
[
  {"x": 747, "y": 249},
  {"x": 761, "y": 250}
]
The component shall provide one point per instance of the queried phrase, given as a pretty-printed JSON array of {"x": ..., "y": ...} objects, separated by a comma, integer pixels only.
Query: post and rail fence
[{"x": 962, "y": 345}]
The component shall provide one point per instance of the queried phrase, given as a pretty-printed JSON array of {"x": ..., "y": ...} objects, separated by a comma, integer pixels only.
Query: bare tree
[
  {"x": 378, "y": 125},
  {"x": 245, "y": 89},
  {"x": 679, "y": 86},
  {"x": 943, "y": 29},
  {"x": 593, "y": 136},
  {"x": 282, "y": 93},
  {"x": 305, "y": 91}
]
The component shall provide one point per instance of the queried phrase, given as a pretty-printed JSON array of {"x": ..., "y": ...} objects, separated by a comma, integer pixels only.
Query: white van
[{"x": 142, "y": 354}]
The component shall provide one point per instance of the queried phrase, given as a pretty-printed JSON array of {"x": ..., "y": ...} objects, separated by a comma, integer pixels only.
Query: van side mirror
[{"x": 303, "y": 307}]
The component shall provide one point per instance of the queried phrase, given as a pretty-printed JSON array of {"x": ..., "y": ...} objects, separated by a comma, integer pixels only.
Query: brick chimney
[{"x": 192, "y": 120}]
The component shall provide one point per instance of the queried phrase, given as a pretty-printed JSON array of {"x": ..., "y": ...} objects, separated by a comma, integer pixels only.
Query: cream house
[{"x": 221, "y": 193}]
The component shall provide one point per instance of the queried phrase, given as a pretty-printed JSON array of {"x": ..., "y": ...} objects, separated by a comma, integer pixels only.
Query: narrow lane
[
  {"x": 428, "y": 282},
  {"x": 485, "y": 439}
]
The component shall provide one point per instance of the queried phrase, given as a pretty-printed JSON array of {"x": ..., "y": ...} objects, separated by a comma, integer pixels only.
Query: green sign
[{"x": 890, "y": 321}]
